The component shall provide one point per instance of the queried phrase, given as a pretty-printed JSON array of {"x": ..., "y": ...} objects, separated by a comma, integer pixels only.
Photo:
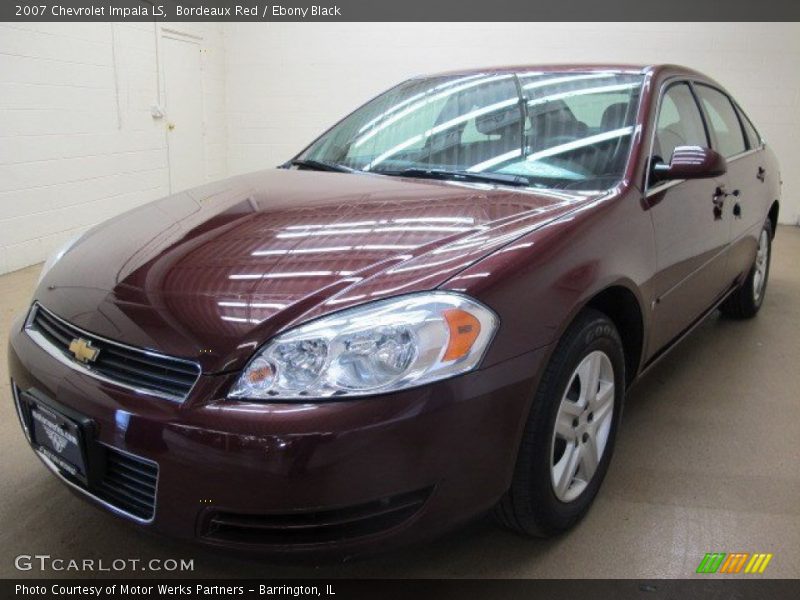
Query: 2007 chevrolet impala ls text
[{"x": 432, "y": 311}]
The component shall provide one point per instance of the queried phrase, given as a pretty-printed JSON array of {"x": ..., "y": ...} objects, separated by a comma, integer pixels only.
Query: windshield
[{"x": 554, "y": 129}]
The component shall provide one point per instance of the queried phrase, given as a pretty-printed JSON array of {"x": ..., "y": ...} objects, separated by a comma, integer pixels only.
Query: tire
[
  {"x": 534, "y": 505},
  {"x": 746, "y": 301}
]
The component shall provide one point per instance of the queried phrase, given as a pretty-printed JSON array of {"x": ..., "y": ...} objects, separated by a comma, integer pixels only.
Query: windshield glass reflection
[{"x": 568, "y": 130}]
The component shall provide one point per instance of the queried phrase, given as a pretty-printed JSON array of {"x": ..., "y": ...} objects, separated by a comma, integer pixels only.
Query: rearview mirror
[{"x": 691, "y": 162}]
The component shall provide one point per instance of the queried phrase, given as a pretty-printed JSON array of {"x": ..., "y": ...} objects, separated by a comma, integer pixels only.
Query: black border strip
[
  {"x": 738, "y": 587},
  {"x": 405, "y": 10}
]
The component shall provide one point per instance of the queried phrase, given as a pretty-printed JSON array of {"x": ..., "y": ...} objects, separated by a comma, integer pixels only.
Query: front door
[{"x": 691, "y": 227}]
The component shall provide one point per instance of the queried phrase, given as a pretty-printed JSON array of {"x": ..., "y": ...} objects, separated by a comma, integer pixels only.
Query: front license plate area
[
  {"x": 62, "y": 438},
  {"x": 59, "y": 439}
]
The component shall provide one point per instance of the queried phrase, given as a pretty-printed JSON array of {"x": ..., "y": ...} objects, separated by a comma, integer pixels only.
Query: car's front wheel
[{"x": 569, "y": 436}]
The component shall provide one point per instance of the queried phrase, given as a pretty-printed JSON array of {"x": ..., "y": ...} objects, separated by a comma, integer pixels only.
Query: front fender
[{"x": 538, "y": 284}]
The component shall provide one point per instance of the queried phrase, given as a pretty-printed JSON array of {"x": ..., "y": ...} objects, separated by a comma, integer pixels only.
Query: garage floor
[{"x": 707, "y": 460}]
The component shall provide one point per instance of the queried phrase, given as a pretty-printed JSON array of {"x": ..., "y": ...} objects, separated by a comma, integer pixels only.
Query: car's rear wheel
[
  {"x": 569, "y": 437},
  {"x": 746, "y": 301}
]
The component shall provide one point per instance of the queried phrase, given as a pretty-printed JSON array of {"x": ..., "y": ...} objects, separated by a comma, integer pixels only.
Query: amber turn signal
[
  {"x": 464, "y": 329},
  {"x": 259, "y": 374}
]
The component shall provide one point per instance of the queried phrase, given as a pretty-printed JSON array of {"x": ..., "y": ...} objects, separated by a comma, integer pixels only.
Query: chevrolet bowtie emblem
[{"x": 83, "y": 351}]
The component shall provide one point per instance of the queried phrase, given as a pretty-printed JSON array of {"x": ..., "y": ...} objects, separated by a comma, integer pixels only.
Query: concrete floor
[{"x": 707, "y": 460}]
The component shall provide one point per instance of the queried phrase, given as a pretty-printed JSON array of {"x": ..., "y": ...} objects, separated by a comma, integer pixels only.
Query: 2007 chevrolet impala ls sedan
[{"x": 433, "y": 310}]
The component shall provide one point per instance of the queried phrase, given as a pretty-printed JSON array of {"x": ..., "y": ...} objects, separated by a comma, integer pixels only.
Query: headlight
[
  {"x": 56, "y": 256},
  {"x": 380, "y": 347}
]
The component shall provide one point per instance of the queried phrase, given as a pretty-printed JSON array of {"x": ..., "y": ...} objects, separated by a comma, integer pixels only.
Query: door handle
[
  {"x": 719, "y": 200},
  {"x": 762, "y": 174}
]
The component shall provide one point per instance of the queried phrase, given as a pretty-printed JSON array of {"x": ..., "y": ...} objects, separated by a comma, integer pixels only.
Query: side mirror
[{"x": 691, "y": 162}]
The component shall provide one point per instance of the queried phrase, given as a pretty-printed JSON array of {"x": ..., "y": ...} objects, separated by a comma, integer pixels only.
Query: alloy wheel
[
  {"x": 582, "y": 426},
  {"x": 762, "y": 262}
]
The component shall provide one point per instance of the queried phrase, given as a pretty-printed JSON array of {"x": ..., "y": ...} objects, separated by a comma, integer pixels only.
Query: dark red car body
[{"x": 656, "y": 261}]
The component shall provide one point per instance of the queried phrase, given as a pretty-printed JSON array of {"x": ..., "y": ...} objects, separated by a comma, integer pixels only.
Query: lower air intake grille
[
  {"x": 317, "y": 527},
  {"x": 129, "y": 483}
]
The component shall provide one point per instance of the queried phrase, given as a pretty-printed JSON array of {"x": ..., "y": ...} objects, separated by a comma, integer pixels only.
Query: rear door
[
  {"x": 691, "y": 233},
  {"x": 745, "y": 204}
]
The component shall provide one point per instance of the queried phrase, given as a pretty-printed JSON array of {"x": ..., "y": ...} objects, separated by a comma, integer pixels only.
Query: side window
[
  {"x": 752, "y": 135},
  {"x": 679, "y": 123},
  {"x": 723, "y": 121}
]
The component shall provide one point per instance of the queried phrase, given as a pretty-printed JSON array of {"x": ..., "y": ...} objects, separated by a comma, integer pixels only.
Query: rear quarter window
[{"x": 753, "y": 137}]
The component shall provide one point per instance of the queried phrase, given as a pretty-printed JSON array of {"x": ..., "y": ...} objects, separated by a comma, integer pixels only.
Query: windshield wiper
[
  {"x": 318, "y": 165},
  {"x": 422, "y": 173}
]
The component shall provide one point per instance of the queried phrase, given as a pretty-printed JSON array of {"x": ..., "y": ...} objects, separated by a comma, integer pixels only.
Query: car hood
[{"x": 211, "y": 273}]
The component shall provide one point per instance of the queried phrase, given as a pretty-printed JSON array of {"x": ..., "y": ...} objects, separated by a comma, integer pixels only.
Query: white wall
[
  {"x": 287, "y": 82},
  {"x": 77, "y": 141},
  {"x": 78, "y": 144}
]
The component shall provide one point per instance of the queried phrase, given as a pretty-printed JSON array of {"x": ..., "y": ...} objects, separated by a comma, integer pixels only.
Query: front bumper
[{"x": 343, "y": 476}]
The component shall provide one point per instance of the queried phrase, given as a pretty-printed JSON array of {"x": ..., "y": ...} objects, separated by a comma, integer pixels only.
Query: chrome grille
[{"x": 128, "y": 367}]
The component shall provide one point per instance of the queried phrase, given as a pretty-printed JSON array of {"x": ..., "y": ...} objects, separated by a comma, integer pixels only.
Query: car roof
[{"x": 568, "y": 67}]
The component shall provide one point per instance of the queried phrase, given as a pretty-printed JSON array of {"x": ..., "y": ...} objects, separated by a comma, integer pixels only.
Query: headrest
[
  {"x": 498, "y": 120},
  {"x": 614, "y": 116}
]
